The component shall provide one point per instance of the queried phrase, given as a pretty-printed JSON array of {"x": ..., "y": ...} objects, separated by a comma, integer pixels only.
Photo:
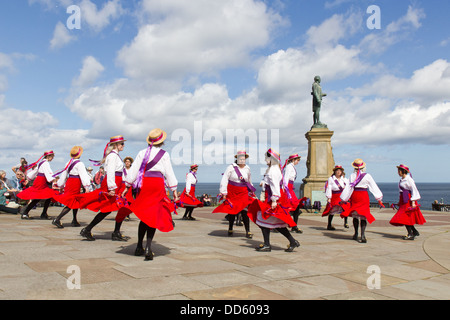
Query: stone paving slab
[{"x": 198, "y": 261}]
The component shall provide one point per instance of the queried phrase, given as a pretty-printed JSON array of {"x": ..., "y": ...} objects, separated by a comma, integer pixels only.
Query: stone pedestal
[{"x": 320, "y": 164}]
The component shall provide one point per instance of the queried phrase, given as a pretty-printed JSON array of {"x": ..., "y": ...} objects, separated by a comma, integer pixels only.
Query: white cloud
[
  {"x": 396, "y": 31},
  {"x": 427, "y": 85},
  {"x": 61, "y": 36},
  {"x": 90, "y": 71},
  {"x": 99, "y": 19},
  {"x": 196, "y": 37}
]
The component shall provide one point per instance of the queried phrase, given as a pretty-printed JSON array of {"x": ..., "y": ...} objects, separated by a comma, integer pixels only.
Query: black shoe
[
  {"x": 230, "y": 233},
  {"x": 45, "y": 217},
  {"x": 25, "y": 217},
  {"x": 139, "y": 251},
  {"x": 355, "y": 237},
  {"x": 148, "y": 254},
  {"x": 75, "y": 223},
  {"x": 408, "y": 237},
  {"x": 331, "y": 228},
  {"x": 363, "y": 239},
  {"x": 57, "y": 223},
  {"x": 292, "y": 246},
  {"x": 191, "y": 218},
  {"x": 264, "y": 248},
  {"x": 117, "y": 236},
  {"x": 416, "y": 233},
  {"x": 87, "y": 234},
  {"x": 249, "y": 235},
  {"x": 346, "y": 226},
  {"x": 296, "y": 230}
]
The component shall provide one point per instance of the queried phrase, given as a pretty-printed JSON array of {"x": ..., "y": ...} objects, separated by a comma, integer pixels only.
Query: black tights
[
  {"x": 245, "y": 219},
  {"x": 411, "y": 230},
  {"x": 284, "y": 231},
  {"x": 66, "y": 211},
  {"x": 142, "y": 230},
  {"x": 33, "y": 203},
  {"x": 330, "y": 219},
  {"x": 188, "y": 212},
  {"x": 363, "y": 226},
  {"x": 99, "y": 218}
]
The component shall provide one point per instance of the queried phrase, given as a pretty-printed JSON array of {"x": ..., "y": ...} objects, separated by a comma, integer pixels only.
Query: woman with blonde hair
[
  {"x": 274, "y": 212},
  {"x": 108, "y": 197},
  {"x": 42, "y": 186}
]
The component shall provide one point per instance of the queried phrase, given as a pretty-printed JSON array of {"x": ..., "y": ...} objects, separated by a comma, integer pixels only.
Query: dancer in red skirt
[
  {"x": 152, "y": 206},
  {"x": 273, "y": 213},
  {"x": 289, "y": 176},
  {"x": 333, "y": 189},
  {"x": 72, "y": 179},
  {"x": 237, "y": 192},
  {"x": 42, "y": 185},
  {"x": 356, "y": 192},
  {"x": 187, "y": 198},
  {"x": 108, "y": 197},
  {"x": 408, "y": 213}
]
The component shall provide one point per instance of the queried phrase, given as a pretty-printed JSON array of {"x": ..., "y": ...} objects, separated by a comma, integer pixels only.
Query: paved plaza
[{"x": 198, "y": 261}]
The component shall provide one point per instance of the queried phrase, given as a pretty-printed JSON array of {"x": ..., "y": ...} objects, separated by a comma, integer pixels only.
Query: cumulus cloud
[
  {"x": 61, "y": 37},
  {"x": 99, "y": 19},
  {"x": 196, "y": 37},
  {"x": 90, "y": 71}
]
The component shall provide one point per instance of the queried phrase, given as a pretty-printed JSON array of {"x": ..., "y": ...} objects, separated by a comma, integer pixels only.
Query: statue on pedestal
[{"x": 317, "y": 103}]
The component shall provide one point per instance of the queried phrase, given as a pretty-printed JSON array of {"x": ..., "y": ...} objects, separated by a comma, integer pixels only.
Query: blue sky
[{"x": 229, "y": 65}]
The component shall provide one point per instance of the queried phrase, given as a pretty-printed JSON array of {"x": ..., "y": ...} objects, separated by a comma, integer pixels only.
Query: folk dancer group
[{"x": 141, "y": 189}]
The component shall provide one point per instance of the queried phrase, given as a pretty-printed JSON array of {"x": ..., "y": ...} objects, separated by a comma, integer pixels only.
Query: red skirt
[
  {"x": 294, "y": 201},
  {"x": 359, "y": 206},
  {"x": 275, "y": 217},
  {"x": 72, "y": 189},
  {"x": 406, "y": 216},
  {"x": 152, "y": 206},
  {"x": 189, "y": 200},
  {"x": 99, "y": 200},
  {"x": 237, "y": 200},
  {"x": 335, "y": 206},
  {"x": 38, "y": 191}
]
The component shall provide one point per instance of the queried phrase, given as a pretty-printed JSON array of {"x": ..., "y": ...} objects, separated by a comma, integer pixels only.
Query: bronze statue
[{"x": 317, "y": 103}]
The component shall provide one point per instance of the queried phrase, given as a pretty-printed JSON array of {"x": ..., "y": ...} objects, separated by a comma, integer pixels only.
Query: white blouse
[
  {"x": 113, "y": 164},
  {"x": 273, "y": 178},
  {"x": 366, "y": 182},
  {"x": 409, "y": 184},
  {"x": 164, "y": 166},
  {"x": 190, "y": 180},
  {"x": 78, "y": 170},
  {"x": 230, "y": 174},
  {"x": 332, "y": 186},
  {"x": 290, "y": 173},
  {"x": 45, "y": 169}
]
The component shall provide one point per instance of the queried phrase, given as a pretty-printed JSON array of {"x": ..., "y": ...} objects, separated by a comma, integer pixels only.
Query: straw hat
[
  {"x": 128, "y": 158},
  {"x": 338, "y": 167},
  {"x": 358, "y": 164},
  {"x": 115, "y": 139},
  {"x": 241, "y": 153},
  {"x": 402, "y": 166},
  {"x": 274, "y": 154},
  {"x": 194, "y": 166},
  {"x": 156, "y": 136},
  {"x": 294, "y": 156},
  {"x": 76, "y": 152},
  {"x": 49, "y": 153}
]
